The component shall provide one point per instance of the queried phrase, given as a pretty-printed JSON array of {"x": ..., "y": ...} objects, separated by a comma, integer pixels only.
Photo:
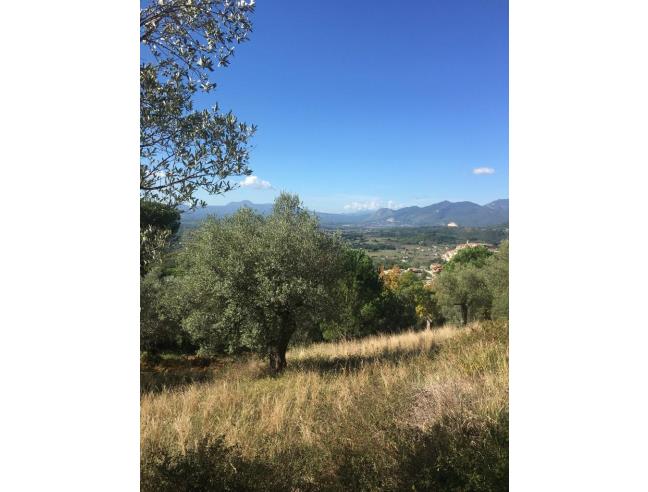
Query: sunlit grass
[{"x": 365, "y": 398}]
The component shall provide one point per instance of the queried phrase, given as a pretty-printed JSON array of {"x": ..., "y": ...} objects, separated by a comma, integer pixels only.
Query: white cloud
[
  {"x": 373, "y": 204},
  {"x": 483, "y": 170},
  {"x": 358, "y": 206},
  {"x": 255, "y": 183},
  {"x": 392, "y": 204}
]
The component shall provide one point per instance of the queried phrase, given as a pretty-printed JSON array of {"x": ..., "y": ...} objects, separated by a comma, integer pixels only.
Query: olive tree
[
  {"x": 422, "y": 296},
  {"x": 252, "y": 282},
  {"x": 184, "y": 149},
  {"x": 464, "y": 286}
]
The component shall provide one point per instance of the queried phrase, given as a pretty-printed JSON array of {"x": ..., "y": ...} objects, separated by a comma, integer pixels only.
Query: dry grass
[
  {"x": 356, "y": 398},
  {"x": 407, "y": 342}
]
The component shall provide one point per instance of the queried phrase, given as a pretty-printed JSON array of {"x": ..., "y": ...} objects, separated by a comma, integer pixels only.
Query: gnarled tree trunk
[
  {"x": 277, "y": 359},
  {"x": 277, "y": 352}
]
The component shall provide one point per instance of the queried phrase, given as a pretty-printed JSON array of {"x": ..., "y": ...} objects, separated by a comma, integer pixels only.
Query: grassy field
[{"x": 414, "y": 411}]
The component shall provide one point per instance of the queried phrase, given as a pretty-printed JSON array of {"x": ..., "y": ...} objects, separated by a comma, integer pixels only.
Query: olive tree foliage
[
  {"x": 159, "y": 223},
  {"x": 183, "y": 149},
  {"x": 153, "y": 242},
  {"x": 497, "y": 277},
  {"x": 253, "y": 282},
  {"x": 159, "y": 328},
  {"x": 465, "y": 288},
  {"x": 159, "y": 215}
]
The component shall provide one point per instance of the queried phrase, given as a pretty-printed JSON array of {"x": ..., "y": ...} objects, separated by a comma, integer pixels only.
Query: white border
[{"x": 579, "y": 335}]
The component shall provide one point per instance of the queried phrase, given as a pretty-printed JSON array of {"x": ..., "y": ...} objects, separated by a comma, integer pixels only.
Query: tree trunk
[
  {"x": 278, "y": 350},
  {"x": 277, "y": 360},
  {"x": 464, "y": 314}
]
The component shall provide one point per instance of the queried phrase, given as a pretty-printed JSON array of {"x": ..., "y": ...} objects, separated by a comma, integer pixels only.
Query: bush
[
  {"x": 459, "y": 456},
  {"x": 210, "y": 466},
  {"x": 150, "y": 358}
]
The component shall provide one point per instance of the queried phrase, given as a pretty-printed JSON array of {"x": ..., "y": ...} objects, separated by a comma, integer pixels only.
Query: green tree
[
  {"x": 160, "y": 327},
  {"x": 153, "y": 242},
  {"x": 413, "y": 291},
  {"x": 252, "y": 282},
  {"x": 477, "y": 256},
  {"x": 183, "y": 149},
  {"x": 159, "y": 223},
  {"x": 464, "y": 286},
  {"x": 497, "y": 276},
  {"x": 159, "y": 215},
  {"x": 359, "y": 288},
  {"x": 389, "y": 313}
]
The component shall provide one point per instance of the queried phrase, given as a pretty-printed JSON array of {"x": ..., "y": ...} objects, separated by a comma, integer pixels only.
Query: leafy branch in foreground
[{"x": 183, "y": 149}]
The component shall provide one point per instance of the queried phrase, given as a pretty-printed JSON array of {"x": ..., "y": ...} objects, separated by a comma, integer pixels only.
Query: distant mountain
[
  {"x": 192, "y": 218},
  {"x": 466, "y": 214},
  {"x": 502, "y": 204}
]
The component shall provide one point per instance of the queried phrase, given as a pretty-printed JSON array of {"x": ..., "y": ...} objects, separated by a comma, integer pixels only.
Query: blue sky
[{"x": 363, "y": 104}]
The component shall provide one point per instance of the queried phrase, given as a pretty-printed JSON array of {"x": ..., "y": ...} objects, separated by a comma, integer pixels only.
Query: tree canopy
[
  {"x": 252, "y": 282},
  {"x": 497, "y": 277},
  {"x": 159, "y": 216},
  {"x": 464, "y": 287},
  {"x": 476, "y": 255},
  {"x": 184, "y": 149}
]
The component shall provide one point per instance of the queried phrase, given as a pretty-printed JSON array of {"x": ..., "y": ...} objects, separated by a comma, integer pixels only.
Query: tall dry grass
[{"x": 348, "y": 411}]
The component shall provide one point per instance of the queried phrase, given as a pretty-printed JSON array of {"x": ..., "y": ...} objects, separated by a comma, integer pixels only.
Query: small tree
[
  {"x": 465, "y": 287},
  {"x": 415, "y": 292},
  {"x": 252, "y": 282}
]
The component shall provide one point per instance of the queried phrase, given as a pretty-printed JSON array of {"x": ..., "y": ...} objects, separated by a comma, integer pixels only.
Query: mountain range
[{"x": 463, "y": 214}]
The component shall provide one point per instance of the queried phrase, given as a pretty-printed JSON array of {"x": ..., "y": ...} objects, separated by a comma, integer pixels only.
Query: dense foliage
[
  {"x": 159, "y": 224},
  {"x": 476, "y": 256},
  {"x": 365, "y": 305},
  {"x": 474, "y": 285},
  {"x": 252, "y": 282},
  {"x": 159, "y": 215}
]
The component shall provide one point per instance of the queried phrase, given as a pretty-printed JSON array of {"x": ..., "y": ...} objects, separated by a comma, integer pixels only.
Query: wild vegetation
[
  {"x": 424, "y": 410},
  {"x": 277, "y": 357}
]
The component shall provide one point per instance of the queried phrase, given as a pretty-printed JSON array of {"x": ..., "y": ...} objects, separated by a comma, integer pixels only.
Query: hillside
[
  {"x": 423, "y": 410},
  {"x": 464, "y": 214}
]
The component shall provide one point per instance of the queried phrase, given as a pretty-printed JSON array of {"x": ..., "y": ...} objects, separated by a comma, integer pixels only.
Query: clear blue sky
[{"x": 369, "y": 103}]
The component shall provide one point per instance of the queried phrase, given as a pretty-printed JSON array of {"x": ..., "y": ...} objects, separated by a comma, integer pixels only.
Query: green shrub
[
  {"x": 150, "y": 358},
  {"x": 459, "y": 456},
  {"x": 210, "y": 466}
]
